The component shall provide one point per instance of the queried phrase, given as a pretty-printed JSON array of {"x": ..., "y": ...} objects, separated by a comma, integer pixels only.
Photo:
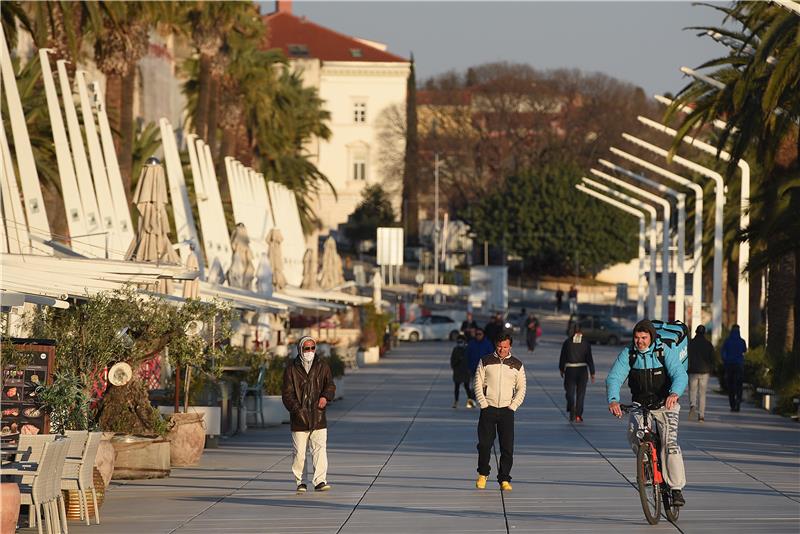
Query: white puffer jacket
[{"x": 500, "y": 383}]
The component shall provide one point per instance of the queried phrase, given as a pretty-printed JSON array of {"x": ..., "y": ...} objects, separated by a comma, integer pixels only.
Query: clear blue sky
[{"x": 641, "y": 42}]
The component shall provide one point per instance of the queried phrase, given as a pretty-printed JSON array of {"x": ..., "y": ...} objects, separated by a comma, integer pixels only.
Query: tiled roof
[{"x": 301, "y": 38}]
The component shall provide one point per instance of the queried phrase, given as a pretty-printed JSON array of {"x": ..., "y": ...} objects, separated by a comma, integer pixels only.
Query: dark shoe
[
  {"x": 677, "y": 498},
  {"x": 322, "y": 486},
  {"x": 571, "y": 418},
  {"x": 302, "y": 488},
  {"x": 579, "y": 419}
]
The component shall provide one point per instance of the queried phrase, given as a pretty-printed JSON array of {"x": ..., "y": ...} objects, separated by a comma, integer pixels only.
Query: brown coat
[{"x": 301, "y": 392}]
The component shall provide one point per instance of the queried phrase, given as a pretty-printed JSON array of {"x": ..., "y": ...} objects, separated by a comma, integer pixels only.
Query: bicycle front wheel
[
  {"x": 649, "y": 490},
  {"x": 672, "y": 511}
]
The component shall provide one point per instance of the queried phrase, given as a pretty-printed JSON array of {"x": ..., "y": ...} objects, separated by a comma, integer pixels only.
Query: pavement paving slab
[{"x": 403, "y": 461}]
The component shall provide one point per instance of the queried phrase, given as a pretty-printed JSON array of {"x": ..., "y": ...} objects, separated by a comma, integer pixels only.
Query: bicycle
[{"x": 653, "y": 491}]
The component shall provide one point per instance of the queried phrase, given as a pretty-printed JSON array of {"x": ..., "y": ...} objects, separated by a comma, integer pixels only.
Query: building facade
[{"x": 359, "y": 81}]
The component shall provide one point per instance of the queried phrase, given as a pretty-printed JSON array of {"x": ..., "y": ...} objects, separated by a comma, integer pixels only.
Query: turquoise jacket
[{"x": 645, "y": 360}]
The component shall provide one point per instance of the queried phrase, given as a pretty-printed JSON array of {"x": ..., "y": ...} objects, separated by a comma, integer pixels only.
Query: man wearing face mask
[
  {"x": 307, "y": 389},
  {"x": 499, "y": 389}
]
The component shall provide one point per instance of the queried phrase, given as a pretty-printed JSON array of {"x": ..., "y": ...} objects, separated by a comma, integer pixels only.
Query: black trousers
[
  {"x": 575, "y": 379},
  {"x": 499, "y": 421},
  {"x": 733, "y": 383},
  {"x": 470, "y": 395}
]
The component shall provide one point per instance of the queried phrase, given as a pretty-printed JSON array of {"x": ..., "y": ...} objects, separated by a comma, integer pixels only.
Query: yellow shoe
[
  {"x": 505, "y": 485},
  {"x": 481, "y": 482}
]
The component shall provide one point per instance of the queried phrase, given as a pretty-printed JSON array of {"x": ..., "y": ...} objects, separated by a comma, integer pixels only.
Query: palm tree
[{"x": 761, "y": 106}]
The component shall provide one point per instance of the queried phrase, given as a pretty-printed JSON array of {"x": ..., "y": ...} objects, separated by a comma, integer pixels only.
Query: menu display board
[{"x": 21, "y": 411}]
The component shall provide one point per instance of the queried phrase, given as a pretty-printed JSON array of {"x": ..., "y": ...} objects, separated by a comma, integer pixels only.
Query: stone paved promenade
[{"x": 402, "y": 460}]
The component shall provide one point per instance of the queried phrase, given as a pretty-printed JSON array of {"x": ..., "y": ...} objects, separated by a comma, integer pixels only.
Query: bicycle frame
[{"x": 648, "y": 436}]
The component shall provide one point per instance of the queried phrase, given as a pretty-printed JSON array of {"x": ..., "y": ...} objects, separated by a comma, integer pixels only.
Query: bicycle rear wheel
[{"x": 649, "y": 490}]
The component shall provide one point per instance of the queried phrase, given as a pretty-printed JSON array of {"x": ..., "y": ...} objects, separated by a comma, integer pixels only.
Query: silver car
[{"x": 429, "y": 328}]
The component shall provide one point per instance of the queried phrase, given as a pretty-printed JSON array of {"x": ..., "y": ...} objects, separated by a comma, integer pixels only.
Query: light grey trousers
[
  {"x": 698, "y": 383},
  {"x": 666, "y": 422}
]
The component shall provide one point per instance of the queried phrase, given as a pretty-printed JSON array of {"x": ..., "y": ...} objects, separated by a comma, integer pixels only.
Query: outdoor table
[{"x": 226, "y": 408}]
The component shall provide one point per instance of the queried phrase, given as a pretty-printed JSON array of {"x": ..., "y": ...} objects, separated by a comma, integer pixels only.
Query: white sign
[
  {"x": 390, "y": 246},
  {"x": 489, "y": 287}
]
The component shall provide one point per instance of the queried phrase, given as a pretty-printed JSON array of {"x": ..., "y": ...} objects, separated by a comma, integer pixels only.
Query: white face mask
[
  {"x": 308, "y": 356},
  {"x": 577, "y": 338}
]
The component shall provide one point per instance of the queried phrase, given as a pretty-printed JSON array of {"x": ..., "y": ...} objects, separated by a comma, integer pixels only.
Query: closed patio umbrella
[
  {"x": 151, "y": 242},
  {"x": 309, "y": 271},
  {"x": 332, "y": 274},
  {"x": 242, "y": 271},
  {"x": 274, "y": 239}
]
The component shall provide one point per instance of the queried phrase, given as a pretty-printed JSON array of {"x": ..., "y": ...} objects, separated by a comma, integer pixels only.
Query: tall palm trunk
[
  {"x": 203, "y": 86},
  {"x": 126, "y": 130},
  {"x": 212, "y": 119}
]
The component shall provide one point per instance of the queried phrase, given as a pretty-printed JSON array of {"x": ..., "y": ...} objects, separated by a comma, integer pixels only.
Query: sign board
[
  {"x": 390, "y": 246},
  {"x": 489, "y": 287}
]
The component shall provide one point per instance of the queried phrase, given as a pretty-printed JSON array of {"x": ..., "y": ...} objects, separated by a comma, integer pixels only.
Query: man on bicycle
[{"x": 657, "y": 379}]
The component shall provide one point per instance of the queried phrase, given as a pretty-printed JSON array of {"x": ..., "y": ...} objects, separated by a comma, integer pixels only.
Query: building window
[
  {"x": 360, "y": 112},
  {"x": 359, "y": 170}
]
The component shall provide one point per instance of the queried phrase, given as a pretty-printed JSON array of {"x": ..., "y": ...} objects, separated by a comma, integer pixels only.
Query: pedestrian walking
[
  {"x": 701, "y": 363},
  {"x": 468, "y": 326},
  {"x": 532, "y": 331},
  {"x": 559, "y": 299},
  {"x": 494, "y": 327},
  {"x": 733, "y": 358},
  {"x": 576, "y": 366},
  {"x": 499, "y": 389},
  {"x": 307, "y": 389},
  {"x": 477, "y": 348},
  {"x": 459, "y": 363},
  {"x": 572, "y": 296}
]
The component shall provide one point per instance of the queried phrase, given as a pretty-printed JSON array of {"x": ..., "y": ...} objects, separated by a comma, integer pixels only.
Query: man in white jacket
[{"x": 499, "y": 390}]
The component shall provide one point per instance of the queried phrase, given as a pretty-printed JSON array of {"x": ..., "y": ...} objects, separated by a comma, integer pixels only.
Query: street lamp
[
  {"x": 697, "y": 269},
  {"x": 665, "y": 239},
  {"x": 651, "y": 285},
  {"x": 680, "y": 275},
  {"x": 641, "y": 216},
  {"x": 743, "y": 291}
]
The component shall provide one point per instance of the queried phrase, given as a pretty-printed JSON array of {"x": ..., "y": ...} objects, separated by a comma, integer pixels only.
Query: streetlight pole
[
  {"x": 743, "y": 285},
  {"x": 697, "y": 259},
  {"x": 680, "y": 275},
  {"x": 639, "y": 214},
  {"x": 651, "y": 285},
  {"x": 436, "y": 227},
  {"x": 665, "y": 239}
]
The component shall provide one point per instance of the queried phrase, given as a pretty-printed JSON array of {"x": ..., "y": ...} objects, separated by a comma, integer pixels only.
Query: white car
[{"x": 429, "y": 328}]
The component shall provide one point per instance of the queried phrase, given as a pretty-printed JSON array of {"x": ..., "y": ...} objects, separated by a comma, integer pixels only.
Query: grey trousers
[
  {"x": 666, "y": 421},
  {"x": 698, "y": 383}
]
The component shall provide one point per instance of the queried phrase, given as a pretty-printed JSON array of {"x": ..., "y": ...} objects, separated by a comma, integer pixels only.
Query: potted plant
[
  {"x": 273, "y": 409},
  {"x": 373, "y": 326},
  {"x": 337, "y": 370}
]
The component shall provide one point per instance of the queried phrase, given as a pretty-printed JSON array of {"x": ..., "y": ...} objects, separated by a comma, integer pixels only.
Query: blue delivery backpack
[{"x": 674, "y": 337}]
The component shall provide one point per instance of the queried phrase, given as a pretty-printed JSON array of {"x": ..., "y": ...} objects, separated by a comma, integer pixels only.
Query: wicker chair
[
  {"x": 39, "y": 490},
  {"x": 58, "y": 512},
  {"x": 26, "y": 464},
  {"x": 78, "y": 474}
]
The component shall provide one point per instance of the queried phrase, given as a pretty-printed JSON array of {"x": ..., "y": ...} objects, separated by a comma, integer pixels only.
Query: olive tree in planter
[
  {"x": 273, "y": 409},
  {"x": 373, "y": 327},
  {"x": 337, "y": 370}
]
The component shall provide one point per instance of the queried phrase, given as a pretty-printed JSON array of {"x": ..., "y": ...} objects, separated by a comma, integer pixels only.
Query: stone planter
[
  {"x": 187, "y": 439},
  {"x": 339, "y": 383},
  {"x": 274, "y": 411},
  {"x": 212, "y": 417},
  {"x": 106, "y": 455},
  {"x": 9, "y": 507},
  {"x": 368, "y": 356},
  {"x": 140, "y": 457}
]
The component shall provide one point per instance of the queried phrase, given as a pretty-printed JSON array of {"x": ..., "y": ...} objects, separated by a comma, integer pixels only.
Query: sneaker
[
  {"x": 700, "y": 419},
  {"x": 677, "y": 498},
  {"x": 571, "y": 418},
  {"x": 481, "y": 482},
  {"x": 470, "y": 403},
  {"x": 505, "y": 485},
  {"x": 579, "y": 419},
  {"x": 692, "y": 413},
  {"x": 302, "y": 488},
  {"x": 322, "y": 486},
  {"x": 455, "y": 404}
]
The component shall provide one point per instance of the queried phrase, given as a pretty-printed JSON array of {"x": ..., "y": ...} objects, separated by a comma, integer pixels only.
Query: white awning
[{"x": 327, "y": 296}]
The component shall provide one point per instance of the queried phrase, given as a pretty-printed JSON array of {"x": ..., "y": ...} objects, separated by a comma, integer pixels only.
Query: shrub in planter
[{"x": 373, "y": 326}]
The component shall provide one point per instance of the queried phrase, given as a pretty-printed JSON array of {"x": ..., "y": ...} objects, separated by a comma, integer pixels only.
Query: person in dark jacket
[
  {"x": 459, "y": 363},
  {"x": 477, "y": 348},
  {"x": 532, "y": 330},
  {"x": 468, "y": 326},
  {"x": 701, "y": 363},
  {"x": 493, "y": 329},
  {"x": 576, "y": 365},
  {"x": 307, "y": 389},
  {"x": 733, "y": 357}
]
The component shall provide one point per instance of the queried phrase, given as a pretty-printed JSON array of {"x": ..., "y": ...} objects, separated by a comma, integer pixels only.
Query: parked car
[
  {"x": 600, "y": 329},
  {"x": 429, "y": 328}
]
